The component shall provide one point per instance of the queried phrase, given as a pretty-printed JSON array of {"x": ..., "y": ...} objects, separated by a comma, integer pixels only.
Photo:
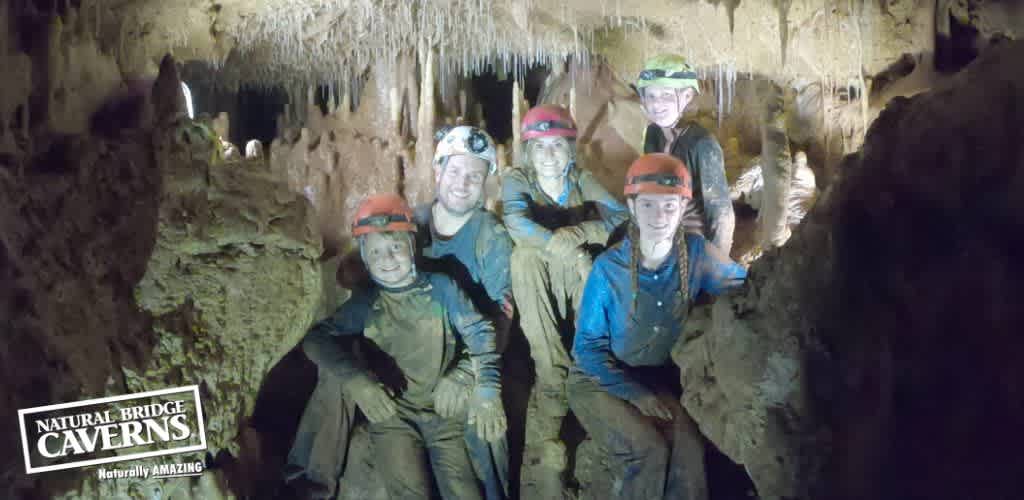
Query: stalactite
[
  {"x": 345, "y": 110},
  {"x": 418, "y": 187},
  {"x": 412, "y": 91},
  {"x": 782, "y": 7},
  {"x": 517, "y": 119}
]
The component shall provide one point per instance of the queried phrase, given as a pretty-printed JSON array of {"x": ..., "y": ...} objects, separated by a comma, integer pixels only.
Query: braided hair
[{"x": 635, "y": 256}]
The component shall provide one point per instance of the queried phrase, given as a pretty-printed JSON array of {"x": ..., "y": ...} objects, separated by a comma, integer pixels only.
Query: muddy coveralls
[
  {"x": 621, "y": 356},
  {"x": 548, "y": 288},
  {"x": 412, "y": 337},
  {"x": 477, "y": 258},
  {"x": 710, "y": 212}
]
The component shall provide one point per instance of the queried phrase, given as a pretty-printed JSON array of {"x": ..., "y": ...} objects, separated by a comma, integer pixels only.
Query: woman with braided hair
[{"x": 623, "y": 387}]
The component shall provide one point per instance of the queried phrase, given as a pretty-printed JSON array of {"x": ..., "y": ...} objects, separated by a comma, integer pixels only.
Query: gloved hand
[
  {"x": 652, "y": 406},
  {"x": 583, "y": 265},
  {"x": 594, "y": 232},
  {"x": 452, "y": 393},
  {"x": 376, "y": 401},
  {"x": 488, "y": 413},
  {"x": 565, "y": 241}
]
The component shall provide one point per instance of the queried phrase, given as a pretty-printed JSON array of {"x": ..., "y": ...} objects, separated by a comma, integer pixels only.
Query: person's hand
[
  {"x": 488, "y": 414},
  {"x": 583, "y": 265},
  {"x": 373, "y": 398},
  {"x": 451, "y": 395},
  {"x": 651, "y": 406}
]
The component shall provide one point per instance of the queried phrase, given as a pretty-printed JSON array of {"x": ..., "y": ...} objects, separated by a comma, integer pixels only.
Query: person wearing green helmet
[{"x": 667, "y": 85}]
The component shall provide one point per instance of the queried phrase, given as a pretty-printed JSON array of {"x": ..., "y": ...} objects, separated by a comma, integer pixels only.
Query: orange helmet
[
  {"x": 658, "y": 173},
  {"x": 383, "y": 213},
  {"x": 548, "y": 120}
]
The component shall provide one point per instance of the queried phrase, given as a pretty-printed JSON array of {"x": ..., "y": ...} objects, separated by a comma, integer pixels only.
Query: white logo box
[{"x": 193, "y": 389}]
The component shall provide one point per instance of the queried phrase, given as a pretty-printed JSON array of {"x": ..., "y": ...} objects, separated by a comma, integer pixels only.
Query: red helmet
[
  {"x": 658, "y": 173},
  {"x": 383, "y": 213},
  {"x": 548, "y": 120}
]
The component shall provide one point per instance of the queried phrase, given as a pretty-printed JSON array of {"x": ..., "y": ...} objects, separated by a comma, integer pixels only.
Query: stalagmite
[
  {"x": 572, "y": 103},
  {"x": 777, "y": 168},
  {"x": 463, "y": 110}
]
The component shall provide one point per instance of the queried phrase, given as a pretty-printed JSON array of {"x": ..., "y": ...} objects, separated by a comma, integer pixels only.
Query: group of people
[{"x": 600, "y": 289}]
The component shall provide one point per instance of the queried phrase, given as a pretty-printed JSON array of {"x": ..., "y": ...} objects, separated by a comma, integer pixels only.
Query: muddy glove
[
  {"x": 488, "y": 413},
  {"x": 452, "y": 393},
  {"x": 372, "y": 397},
  {"x": 594, "y": 232},
  {"x": 651, "y": 405},
  {"x": 565, "y": 242}
]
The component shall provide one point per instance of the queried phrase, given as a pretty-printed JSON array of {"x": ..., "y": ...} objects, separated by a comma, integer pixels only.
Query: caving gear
[
  {"x": 371, "y": 397},
  {"x": 467, "y": 140},
  {"x": 548, "y": 120},
  {"x": 668, "y": 70},
  {"x": 382, "y": 213},
  {"x": 658, "y": 173}
]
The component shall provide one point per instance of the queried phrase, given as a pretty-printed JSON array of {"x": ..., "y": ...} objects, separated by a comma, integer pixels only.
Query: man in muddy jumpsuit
[
  {"x": 667, "y": 85},
  {"x": 553, "y": 209},
  {"x": 623, "y": 387},
  {"x": 461, "y": 239},
  {"x": 425, "y": 342}
]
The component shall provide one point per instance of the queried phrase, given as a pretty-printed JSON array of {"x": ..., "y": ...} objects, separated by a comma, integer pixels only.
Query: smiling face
[
  {"x": 664, "y": 106},
  {"x": 460, "y": 183},
  {"x": 550, "y": 156},
  {"x": 389, "y": 257},
  {"x": 657, "y": 215}
]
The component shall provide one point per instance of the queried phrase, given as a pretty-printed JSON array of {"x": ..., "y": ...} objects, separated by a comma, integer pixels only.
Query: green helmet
[{"x": 668, "y": 70}]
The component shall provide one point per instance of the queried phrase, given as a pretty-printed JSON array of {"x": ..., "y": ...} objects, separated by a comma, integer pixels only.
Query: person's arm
[
  {"x": 477, "y": 332},
  {"x": 323, "y": 343},
  {"x": 592, "y": 348},
  {"x": 715, "y": 188},
  {"x": 486, "y": 410},
  {"x": 515, "y": 199},
  {"x": 715, "y": 272},
  {"x": 613, "y": 213},
  {"x": 494, "y": 256}
]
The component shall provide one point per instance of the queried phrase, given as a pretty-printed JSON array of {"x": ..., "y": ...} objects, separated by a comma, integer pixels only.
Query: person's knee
[{"x": 526, "y": 259}]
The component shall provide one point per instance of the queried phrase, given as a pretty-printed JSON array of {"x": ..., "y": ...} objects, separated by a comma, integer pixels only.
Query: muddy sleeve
[
  {"x": 516, "y": 200},
  {"x": 613, "y": 213},
  {"x": 592, "y": 348},
  {"x": 477, "y": 333},
  {"x": 329, "y": 343},
  {"x": 715, "y": 273},
  {"x": 494, "y": 255},
  {"x": 721, "y": 221}
]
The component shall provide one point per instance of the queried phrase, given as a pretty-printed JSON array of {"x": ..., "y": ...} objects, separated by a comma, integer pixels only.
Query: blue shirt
[
  {"x": 609, "y": 340},
  {"x": 477, "y": 256}
]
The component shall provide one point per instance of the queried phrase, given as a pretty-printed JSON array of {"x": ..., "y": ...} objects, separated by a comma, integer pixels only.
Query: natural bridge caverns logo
[{"x": 112, "y": 429}]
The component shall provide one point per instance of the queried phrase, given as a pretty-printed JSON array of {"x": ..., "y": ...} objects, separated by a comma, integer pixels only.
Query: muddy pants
[
  {"x": 547, "y": 293},
  {"x": 649, "y": 458},
  {"x": 322, "y": 439},
  {"x": 410, "y": 445}
]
